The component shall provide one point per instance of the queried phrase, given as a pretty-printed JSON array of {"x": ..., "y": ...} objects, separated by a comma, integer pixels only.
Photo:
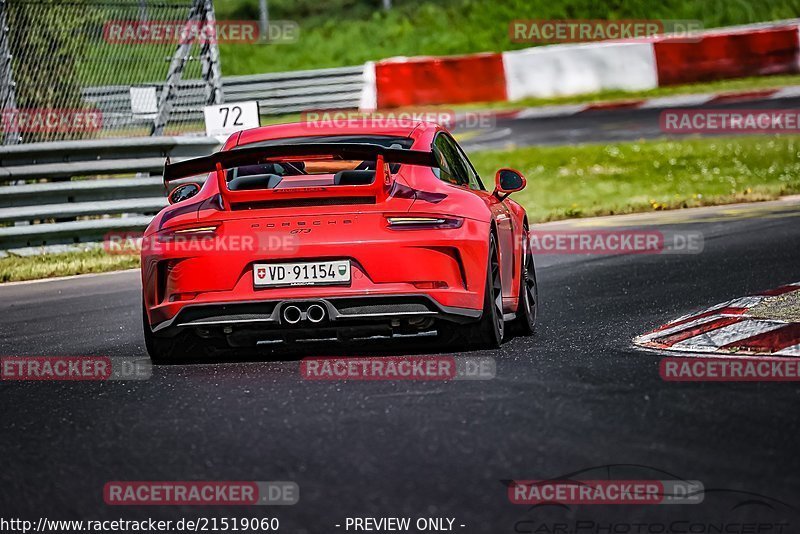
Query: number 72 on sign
[{"x": 225, "y": 119}]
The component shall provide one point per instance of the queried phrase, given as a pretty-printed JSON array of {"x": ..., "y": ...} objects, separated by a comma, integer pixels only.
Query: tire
[
  {"x": 488, "y": 332},
  {"x": 491, "y": 327},
  {"x": 168, "y": 349},
  {"x": 528, "y": 308}
]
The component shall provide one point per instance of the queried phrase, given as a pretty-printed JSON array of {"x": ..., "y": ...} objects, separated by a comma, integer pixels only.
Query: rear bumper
[
  {"x": 342, "y": 312},
  {"x": 444, "y": 268}
]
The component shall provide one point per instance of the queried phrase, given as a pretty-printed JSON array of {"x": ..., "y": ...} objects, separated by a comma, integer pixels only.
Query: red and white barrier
[
  {"x": 450, "y": 80},
  {"x": 369, "y": 91},
  {"x": 571, "y": 69},
  {"x": 735, "y": 54},
  {"x": 561, "y": 70}
]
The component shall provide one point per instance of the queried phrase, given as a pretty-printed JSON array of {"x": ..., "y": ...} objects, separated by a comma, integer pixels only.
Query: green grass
[
  {"x": 16, "y": 268},
  {"x": 592, "y": 180},
  {"x": 575, "y": 181},
  {"x": 348, "y": 32}
]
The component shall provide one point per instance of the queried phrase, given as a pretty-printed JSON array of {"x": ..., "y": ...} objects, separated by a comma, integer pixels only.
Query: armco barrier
[
  {"x": 42, "y": 204},
  {"x": 276, "y": 93}
]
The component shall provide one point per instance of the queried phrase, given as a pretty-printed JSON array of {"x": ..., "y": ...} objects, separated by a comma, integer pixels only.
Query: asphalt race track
[
  {"x": 606, "y": 126},
  {"x": 574, "y": 397}
]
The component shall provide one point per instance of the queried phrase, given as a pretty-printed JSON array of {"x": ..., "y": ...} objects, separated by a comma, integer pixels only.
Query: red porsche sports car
[{"x": 305, "y": 231}]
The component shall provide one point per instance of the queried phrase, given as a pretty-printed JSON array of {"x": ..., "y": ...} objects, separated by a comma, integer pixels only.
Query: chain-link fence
[{"x": 73, "y": 69}]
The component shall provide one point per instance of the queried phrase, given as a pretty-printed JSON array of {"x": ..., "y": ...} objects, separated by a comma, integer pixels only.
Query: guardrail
[
  {"x": 276, "y": 93},
  {"x": 49, "y": 200},
  {"x": 77, "y": 191}
]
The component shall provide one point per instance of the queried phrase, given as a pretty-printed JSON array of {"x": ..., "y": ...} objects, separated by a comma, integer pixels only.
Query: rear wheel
[
  {"x": 168, "y": 349},
  {"x": 488, "y": 332},
  {"x": 491, "y": 326},
  {"x": 528, "y": 307}
]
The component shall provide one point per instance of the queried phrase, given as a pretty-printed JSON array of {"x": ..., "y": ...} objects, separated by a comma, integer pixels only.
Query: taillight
[
  {"x": 189, "y": 233},
  {"x": 196, "y": 231},
  {"x": 421, "y": 222}
]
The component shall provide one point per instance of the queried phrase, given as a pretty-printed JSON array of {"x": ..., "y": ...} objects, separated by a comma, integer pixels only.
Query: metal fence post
[
  {"x": 209, "y": 58},
  {"x": 169, "y": 90},
  {"x": 8, "y": 100},
  {"x": 263, "y": 19}
]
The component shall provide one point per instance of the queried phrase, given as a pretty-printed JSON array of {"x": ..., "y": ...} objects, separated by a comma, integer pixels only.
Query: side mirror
[
  {"x": 183, "y": 192},
  {"x": 508, "y": 181}
]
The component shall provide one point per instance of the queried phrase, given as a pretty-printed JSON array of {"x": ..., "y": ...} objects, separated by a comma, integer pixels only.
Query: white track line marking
[
  {"x": 676, "y": 101},
  {"x": 550, "y": 111},
  {"x": 786, "y": 92}
]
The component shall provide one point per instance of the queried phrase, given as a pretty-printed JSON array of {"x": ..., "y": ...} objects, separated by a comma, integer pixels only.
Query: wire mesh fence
[{"x": 76, "y": 69}]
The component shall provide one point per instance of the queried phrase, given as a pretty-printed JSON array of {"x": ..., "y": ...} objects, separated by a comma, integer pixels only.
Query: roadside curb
[
  {"x": 727, "y": 329},
  {"x": 665, "y": 102}
]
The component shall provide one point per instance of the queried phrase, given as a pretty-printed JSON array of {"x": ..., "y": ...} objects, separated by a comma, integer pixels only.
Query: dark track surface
[
  {"x": 575, "y": 396},
  {"x": 606, "y": 126}
]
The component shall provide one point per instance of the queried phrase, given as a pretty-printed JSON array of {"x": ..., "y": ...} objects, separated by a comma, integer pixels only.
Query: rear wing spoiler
[{"x": 257, "y": 154}]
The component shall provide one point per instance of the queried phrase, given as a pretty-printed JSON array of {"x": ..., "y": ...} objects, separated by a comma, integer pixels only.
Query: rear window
[{"x": 312, "y": 171}]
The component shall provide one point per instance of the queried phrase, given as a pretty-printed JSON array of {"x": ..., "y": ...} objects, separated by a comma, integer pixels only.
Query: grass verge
[
  {"x": 17, "y": 268},
  {"x": 574, "y": 181},
  {"x": 592, "y": 180}
]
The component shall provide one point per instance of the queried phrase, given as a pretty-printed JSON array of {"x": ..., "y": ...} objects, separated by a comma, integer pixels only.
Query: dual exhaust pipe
[{"x": 292, "y": 314}]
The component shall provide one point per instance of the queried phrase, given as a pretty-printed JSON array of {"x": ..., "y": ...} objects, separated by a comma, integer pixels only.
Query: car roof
[{"x": 333, "y": 126}]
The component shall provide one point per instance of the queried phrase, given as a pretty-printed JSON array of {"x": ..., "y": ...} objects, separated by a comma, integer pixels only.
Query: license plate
[{"x": 301, "y": 274}]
